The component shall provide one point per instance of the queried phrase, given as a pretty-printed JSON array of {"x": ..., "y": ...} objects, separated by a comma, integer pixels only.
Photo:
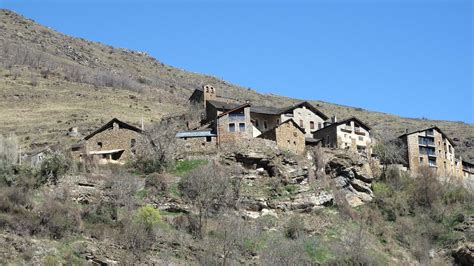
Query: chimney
[
  {"x": 406, "y": 130},
  {"x": 334, "y": 119}
]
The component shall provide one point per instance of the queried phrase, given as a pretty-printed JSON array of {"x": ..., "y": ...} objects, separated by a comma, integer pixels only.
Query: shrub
[
  {"x": 58, "y": 218},
  {"x": 156, "y": 182},
  {"x": 52, "y": 168},
  {"x": 146, "y": 165},
  {"x": 148, "y": 217},
  {"x": 294, "y": 227}
]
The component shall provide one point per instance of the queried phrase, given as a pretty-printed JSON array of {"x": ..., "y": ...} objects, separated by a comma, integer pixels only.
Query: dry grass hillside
[{"x": 50, "y": 82}]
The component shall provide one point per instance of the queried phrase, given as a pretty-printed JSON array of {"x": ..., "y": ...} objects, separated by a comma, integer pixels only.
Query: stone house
[
  {"x": 264, "y": 118},
  {"x": 288, "y": 136},
  {"x": 114, "y": 142},
  {"x": 351, "y": 134},
  {"x": 234, "y": 124},
  {"x": 467, "y": 169},
  {"x": 433, "y": 148},
  {"x": 225, "y": 126}
]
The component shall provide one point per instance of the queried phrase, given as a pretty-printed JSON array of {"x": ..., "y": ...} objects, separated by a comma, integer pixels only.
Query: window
[
  {"x": 294, "y": 142},
  {"x": 242, "y": 127},
  {"x": 301, "y": 123},
  {"x": 421, "y": 160},
  {"x": 348, "y": 123},
  {"x": 320, "y": 125},
  {"x": 444, "y": 165},
  {"x": 429, "y": 132},
  {"x": 99, "y": 144},
  {"x": 361, "y": 138},
  {"x": 432, "y": 162},
  {"x": 311, "y": 124},
  {"x": 232, "y": 127},
  {"x": 133, "y": 142},
  {"x": 208, "y": 139}
]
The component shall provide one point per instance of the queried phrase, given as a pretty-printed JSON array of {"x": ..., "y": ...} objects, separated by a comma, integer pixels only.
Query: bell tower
[{"x": 209, "y": 93}]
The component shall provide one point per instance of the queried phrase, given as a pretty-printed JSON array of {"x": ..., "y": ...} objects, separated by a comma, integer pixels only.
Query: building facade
[
  {"x": 351, "y": 134},
  {"x": 431, "y": 147},
  {"x": 234, "y": 124},
  {"x": 114, "y": 142},
  {"x": 288, "y": 136}
]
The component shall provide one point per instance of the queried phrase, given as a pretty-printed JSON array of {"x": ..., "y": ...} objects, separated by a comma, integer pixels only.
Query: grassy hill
[{"x": 50, "y": 82}]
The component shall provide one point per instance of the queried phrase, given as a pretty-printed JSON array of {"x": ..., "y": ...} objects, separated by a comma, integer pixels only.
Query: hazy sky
[{"x": 407, "y": 57}]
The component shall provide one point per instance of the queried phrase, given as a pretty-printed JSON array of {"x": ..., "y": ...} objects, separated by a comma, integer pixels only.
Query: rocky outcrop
[
  {"x": 262, "y": 159},
  {"x": 351, "y": 174},
  {"x": 464, "y": 254}
]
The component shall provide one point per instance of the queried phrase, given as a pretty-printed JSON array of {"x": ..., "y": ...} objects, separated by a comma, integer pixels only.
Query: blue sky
[{"x": 407, "y": 57}]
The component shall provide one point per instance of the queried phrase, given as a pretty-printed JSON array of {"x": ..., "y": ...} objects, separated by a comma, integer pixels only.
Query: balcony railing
[{"x": 426, "y": 142}]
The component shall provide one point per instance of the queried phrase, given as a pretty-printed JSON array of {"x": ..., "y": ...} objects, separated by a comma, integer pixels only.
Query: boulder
[
  {"x": 360, "y": 186},
  {"x": 269, "y": 212},
  {"x": 464, "y": 255},
  {"x": 364, "y": 173}
]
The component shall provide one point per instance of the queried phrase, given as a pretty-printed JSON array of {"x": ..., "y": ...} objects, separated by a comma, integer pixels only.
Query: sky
[{"x": 413, "y": 58}]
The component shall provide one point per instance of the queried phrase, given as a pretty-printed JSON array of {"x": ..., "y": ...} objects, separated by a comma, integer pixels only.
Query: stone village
[{"x": 292, "y": 128}]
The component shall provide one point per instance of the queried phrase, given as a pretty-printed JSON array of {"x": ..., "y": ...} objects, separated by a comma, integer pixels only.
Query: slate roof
[
  {"x": 268, "y": 110},
  {"x": 433, "y": 127},
  {"x": 364, "y": 125},
  {"x": 195, "y": 133},
  {"x": 110, "y": 124}
]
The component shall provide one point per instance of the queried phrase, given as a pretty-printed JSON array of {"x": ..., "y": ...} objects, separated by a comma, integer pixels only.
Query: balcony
[
  {"x": 346, "y": 129},
  {"x": 359, "y": 131}
]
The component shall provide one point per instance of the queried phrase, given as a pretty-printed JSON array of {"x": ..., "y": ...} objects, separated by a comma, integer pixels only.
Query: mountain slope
[{"x": 50, "y": 82}]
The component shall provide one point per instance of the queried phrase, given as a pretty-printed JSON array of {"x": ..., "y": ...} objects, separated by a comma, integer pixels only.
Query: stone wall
[
  {"x": 224, "y": 133},
  {"x": 198, "y": 145},
  {"x": 328, "y": 136},
  {"x": 289, "y": 137},
  {"x": 118, "y": 138}
]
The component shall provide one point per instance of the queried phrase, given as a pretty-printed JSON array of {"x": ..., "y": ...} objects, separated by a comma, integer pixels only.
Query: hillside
[{"x": 50, "y": 82}]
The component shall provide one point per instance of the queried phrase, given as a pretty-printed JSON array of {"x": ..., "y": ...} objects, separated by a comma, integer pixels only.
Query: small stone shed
[
  {"x": 288, "y": 136},
  {"x": 197, "y": 141},
  {"x": 114, "y": 142}
]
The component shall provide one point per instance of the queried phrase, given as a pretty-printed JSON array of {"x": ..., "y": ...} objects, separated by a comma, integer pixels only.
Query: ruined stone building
[
  {"x": 288, "y": 136},
  {"x": 114, "y": 142},
  {"x": 351, "y": 134},
  {"x": 467, "y": 169},
  {"x": 431, "y": 147}
]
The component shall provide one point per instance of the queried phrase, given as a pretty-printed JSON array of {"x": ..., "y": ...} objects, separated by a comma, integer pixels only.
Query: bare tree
[
  {"x": 389, "y": 151},
  {"x": 209, "y": 189}
]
